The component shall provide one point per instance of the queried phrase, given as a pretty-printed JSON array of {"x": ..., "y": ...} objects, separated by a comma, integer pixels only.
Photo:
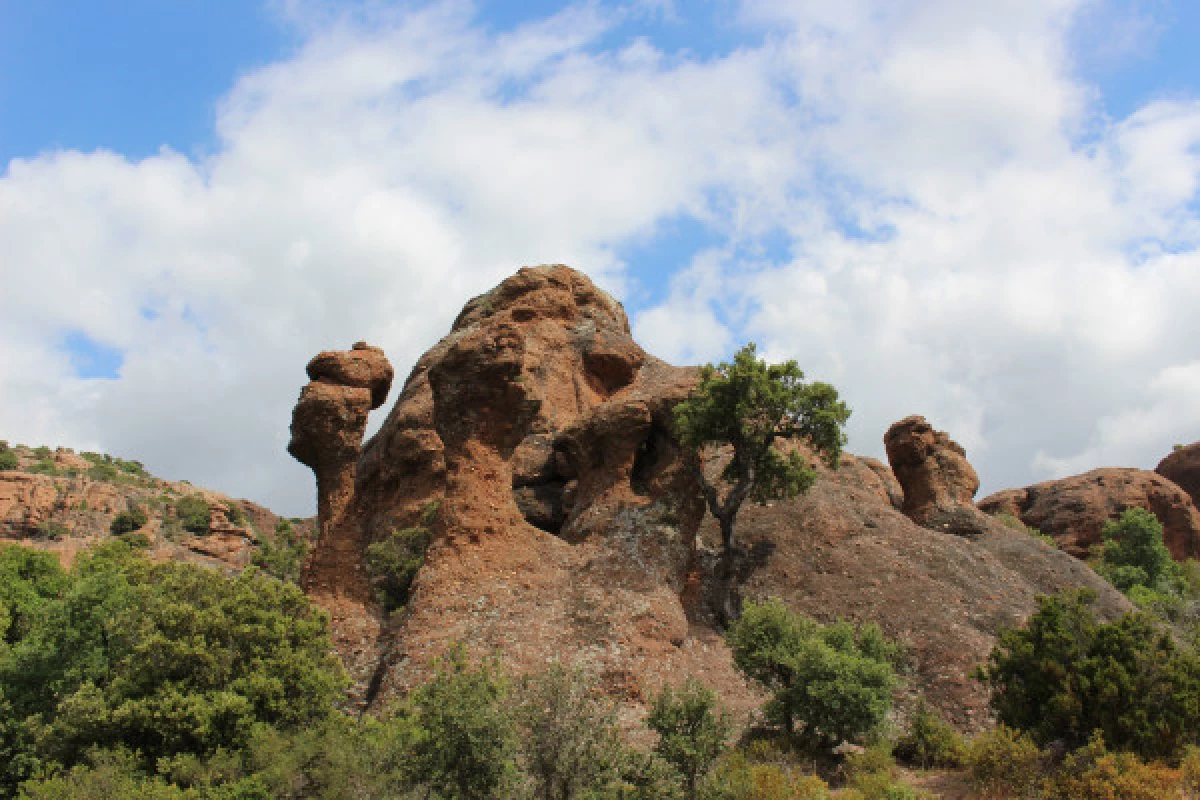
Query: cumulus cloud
[{"x": 952, "y": 227}]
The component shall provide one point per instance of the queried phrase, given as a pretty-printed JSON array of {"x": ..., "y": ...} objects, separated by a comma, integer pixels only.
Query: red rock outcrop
[
  {"x": 328, "y": 424},
  {"x": 72, "y": 508},
  {"x": 568, "y": 527},
  {"x": 1074, "y": 510},
  {"x": 1182, "y": 467},
  {"x": 937, "y": 481}
]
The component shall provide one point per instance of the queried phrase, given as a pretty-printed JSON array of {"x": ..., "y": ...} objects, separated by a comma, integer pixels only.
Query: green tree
[
  {"x": 1065, "y": 675},
  {"x": 570, "y": 741},
  {"x": 468, "y": 748},
  {"x": 835, "y": 680},
  {"x": 749, "y": 405},
  {"x": 166, "y": 659},
  {"x": 691, "y": 730},
  {"x": 1134, "y": 553}
]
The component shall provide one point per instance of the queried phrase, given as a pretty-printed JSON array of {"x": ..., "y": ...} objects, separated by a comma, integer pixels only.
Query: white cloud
[{"x": 967, "y": 238}]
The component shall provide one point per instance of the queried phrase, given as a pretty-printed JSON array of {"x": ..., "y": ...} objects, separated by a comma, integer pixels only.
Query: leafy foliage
[
  {"x": 8, "y": 459},
  {"x": 836, "y": 680},
  {"x": 691, "y": 730},
  {"x": 1065, "y": 675},
  {"x": 1005, "y": 762},
  {"x": 193, "y": 513},
  {"x": 162, "y": 658},
  {"x": 394, "y": 562},
  {"x": 128, "y": 521},
  {"x": 281, "y": 554},
  {"x": 1134, "y": 554},
  {"x": 929, "y": 741},
  {"x": 749, "y": 405},
  {"x": 469, "y": 747},
  {"x": 570, "y": 742}
]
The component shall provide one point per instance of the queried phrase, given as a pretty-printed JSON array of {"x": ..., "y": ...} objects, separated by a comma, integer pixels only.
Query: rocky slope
[
  {"x": 62, "y": 501},
  {"x": 567, "y": 527}
]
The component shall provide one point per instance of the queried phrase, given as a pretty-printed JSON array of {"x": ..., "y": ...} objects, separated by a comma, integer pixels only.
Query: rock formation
[
  {"x": 937, "y": 481},
  {"x": 328, "y": 424},
  {"x": 1074, "y": 510},
  {"x": 68, "y": 504},
  {"x": 1182, "y": 467},
  {"x": 566, "y": 525}
]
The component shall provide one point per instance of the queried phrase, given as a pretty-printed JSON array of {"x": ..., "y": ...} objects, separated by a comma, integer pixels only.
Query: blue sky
[{"x": 979, "y": 212}]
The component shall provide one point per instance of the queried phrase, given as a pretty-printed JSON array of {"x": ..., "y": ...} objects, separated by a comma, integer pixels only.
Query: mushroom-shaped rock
[
  {"x": 1182, "y": 467},
  {"x": 328, "y": 423},
  {"x": 939, "y": 483}
]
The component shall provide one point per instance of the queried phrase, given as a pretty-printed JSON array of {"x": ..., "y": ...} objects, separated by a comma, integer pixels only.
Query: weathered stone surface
[
  {"x": 842, "y": 551},
  {"x": 362, "y": 367},
  {"x": 1074, "y": 510},
  {"x": 568, "y": 525},
  {"x": 1182, "y": 467},
  {"x": 937, "y": 481}
]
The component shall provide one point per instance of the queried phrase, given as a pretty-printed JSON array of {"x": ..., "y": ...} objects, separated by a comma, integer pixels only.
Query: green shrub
[
  {"x": 929, "y": 741},
  {"x": 691, "y": 730},
  {"x": 1011, "y": 520},
  {"x": 393, "y": 565},
  {"x": 45, "y": 466},
  {"x": 193, "y": 513},
  {"x": 128, "y": 521},
  {"x": 8, "y": 460},
  {"x": 282, "y": 553},
  {"x": 570, "y": 742},
  {"x": 738, "y": 777},
  {"x": 1005, "y": 762},
  {"x": 50, "y": 529},
  {"x": 102, "y": 472},
  {"x": 164, "y": 658},
  {"x": 469, "y": 746},
  {"x": 235, "y": 514},
  {"x": 1093, "y": 773},
  {"x": 1134, "y": 553},
  {"x": 1065, "y": 674},
  {"x": 43, "y": 452},
  {"x": 835, "y": 680},
  {"x": 873, "y": 775}
]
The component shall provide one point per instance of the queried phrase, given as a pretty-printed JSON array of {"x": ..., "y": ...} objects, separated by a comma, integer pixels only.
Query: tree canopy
[{"x": 750, "y": 405}]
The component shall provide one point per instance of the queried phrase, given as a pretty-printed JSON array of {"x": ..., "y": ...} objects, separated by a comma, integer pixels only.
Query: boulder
[
  {"x": 1074, "y": 510},
  {"x": 937, "y": 481},
  {"x": 1182, "y": 467}
]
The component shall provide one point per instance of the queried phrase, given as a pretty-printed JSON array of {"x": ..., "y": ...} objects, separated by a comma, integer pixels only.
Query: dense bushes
[
  {"x": 1065, "y": 675},
  {"x": 394, "y": 562},
  {"x": 828, "y": 683},
  {"x": 128, "y": 521},
  {"x": 281, "y": 554},
  {"x": 193, "y": 513},
  {"x": 162, "y": 659}
]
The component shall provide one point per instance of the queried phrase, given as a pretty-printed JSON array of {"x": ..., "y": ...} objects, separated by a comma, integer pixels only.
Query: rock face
[
  {"x": 843, "y": 551},
  {"x": 937, "y": 481},
  {"x": 537, "y": 437},
  {"x": 1182, "y": 467},
  {"x": 69, "y": 503},
  {"x": 1074, "y": 510}
]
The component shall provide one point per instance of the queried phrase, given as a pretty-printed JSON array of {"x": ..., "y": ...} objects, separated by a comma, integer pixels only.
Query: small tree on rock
[{"x": 749, "y": 405}]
